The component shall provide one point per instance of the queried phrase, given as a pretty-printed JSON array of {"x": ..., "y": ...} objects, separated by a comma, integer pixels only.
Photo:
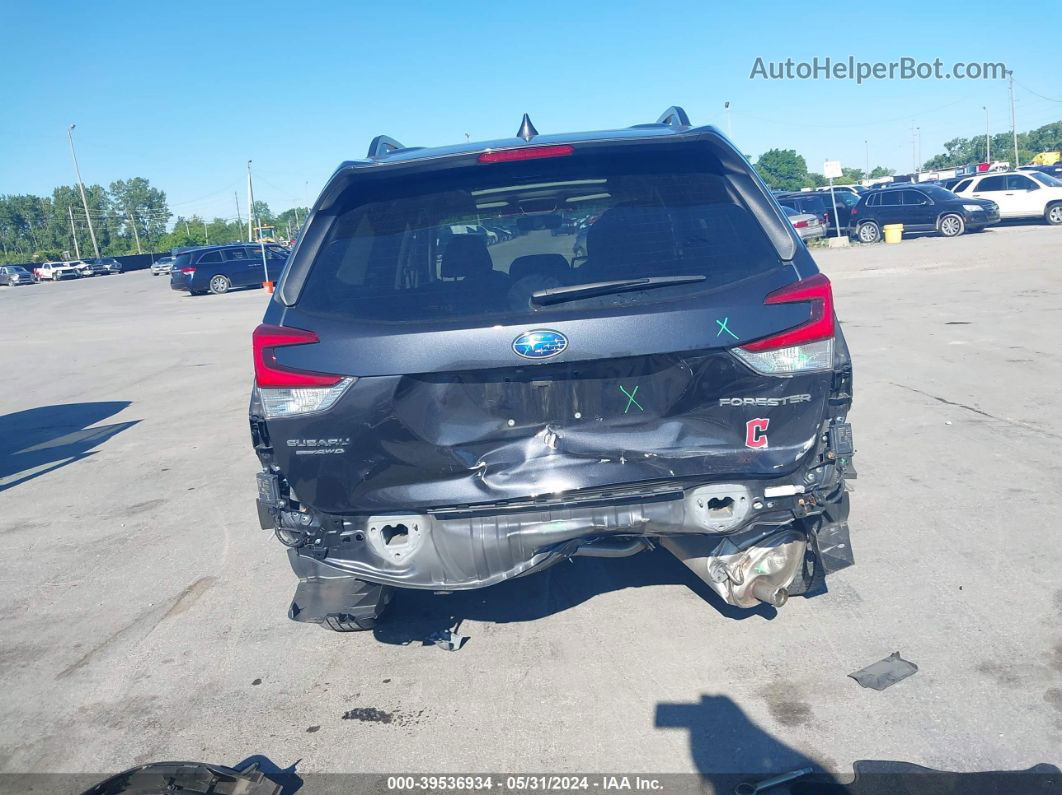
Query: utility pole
[
  {"x": 73, "y": 234},
  {"x": 866, "y": 144},
  {"x": 239, "y": 218},
  {"x": 298, "y": 223},
  {"x": 84, "y": 201},
  {"x": 250, "y": 215},
  {"x": 988, "y": 138},
  {"x": 729, "y": 131},
  {"x": 250, "y": 204},
  {"x": 187, "y": 231},
  {"x": 918, "y": 152},
  {"x": 206, "y": 233},
  {"x": 136, "y": 234},
  {"x": 1013, "y": 123}
]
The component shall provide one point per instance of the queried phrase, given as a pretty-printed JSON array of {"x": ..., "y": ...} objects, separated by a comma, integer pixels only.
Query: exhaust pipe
[
  {"x": 744, "y": 576},
  {"x": 765, "y": 592}
]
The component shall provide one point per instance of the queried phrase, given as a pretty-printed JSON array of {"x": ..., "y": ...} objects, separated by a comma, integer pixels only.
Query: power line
[{"x": 1041, "y": 96}]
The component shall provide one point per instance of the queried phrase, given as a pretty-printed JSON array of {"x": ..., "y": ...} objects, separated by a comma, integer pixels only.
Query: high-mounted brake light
[
  {"x": 529, "y": 153},
  {"x": 270, "y": 373},
  {"x": 809, "y": 346}
]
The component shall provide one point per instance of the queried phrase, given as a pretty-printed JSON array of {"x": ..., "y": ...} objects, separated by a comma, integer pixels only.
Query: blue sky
[{"x": 184, "y": 94}]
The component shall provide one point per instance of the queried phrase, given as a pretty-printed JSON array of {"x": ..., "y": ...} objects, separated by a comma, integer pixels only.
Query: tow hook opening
[
  {"x": 396, "y": 539},
  {"x": 720, "y": 508},
  {"x": 395, "y": 535}
]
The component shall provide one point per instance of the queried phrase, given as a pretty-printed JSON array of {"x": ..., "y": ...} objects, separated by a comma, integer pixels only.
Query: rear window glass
[{"x": 479, "y": 241}]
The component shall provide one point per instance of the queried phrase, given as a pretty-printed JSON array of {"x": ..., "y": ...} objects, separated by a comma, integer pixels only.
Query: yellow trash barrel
[{"x": 893, "y": 232}]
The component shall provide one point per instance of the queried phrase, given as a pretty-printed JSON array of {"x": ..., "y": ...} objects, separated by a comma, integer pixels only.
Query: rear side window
[
  {"x": 235, "y": 253},
  {"x": 992, "y": 183},
  {"x": 1020, "y": 182},
  {"x": 893, "y": 198},
  {"x": 477, "y": 242},
  {"x": 210, "y": 258},
  {"x": 963, "y": 185}
]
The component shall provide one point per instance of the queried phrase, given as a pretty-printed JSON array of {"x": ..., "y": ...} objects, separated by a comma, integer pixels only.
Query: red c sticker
[{"x": 756, "y": 433}]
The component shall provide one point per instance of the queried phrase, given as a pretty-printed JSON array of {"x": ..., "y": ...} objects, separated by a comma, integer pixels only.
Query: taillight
[
  {"x": 528, "y": 153},
  {"x": 189, "y": 271},
  {"x": 809, "y": 346},
  {"x": 801, "y": 225},
  {"x": 286, "y": 391}
]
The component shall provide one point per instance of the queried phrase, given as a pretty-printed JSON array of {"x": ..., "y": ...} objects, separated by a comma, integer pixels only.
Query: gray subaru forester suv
[{"x": 446, "y": 396}]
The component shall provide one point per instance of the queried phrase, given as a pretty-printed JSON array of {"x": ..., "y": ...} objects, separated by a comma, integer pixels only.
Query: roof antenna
[{"x": 527, "y": 130}]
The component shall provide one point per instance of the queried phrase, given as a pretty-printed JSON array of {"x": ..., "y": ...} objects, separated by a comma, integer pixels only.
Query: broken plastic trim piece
[{"x": 885, "y": 673}]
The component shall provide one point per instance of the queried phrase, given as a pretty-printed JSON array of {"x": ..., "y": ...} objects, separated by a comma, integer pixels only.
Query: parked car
[
  {"x": 927, "y": 208},
  {"x": 1051, "y": 171},
  {"x": 807, "y": 225},
  {"x": 56, "y": 271},
  {"x": 819, "y": 204},
  {"x": 218, "y": 269},
  {"x": 14, "y": 275},
  {"x": 424, "y": 420},
  {"x": 855, "y": 190},
  {"x": 162, "y": 265},
  {"x": 105, "y": 266},
  {"x": 86, "y": 268},
  {"x": 1019, "y": 194}
]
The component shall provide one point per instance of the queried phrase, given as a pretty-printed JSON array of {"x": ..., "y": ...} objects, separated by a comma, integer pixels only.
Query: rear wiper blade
[{"x": 557, "y": 295}]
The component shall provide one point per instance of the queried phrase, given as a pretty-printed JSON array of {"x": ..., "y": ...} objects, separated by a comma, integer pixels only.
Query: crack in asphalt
[{"x": 1016, "y": 423}]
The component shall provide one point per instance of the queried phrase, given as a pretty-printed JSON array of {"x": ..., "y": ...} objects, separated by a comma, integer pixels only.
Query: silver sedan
[{"x": 807, "y": 225}]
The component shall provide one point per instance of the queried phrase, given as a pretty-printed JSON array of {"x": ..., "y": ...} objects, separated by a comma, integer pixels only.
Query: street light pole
[
  {"x": 73, "y": 234},
  {"x": 1013, "y": 123},
  {"x": 80, "y": 184},
  {"x": 988, "y": 139},
  {"x": 866, "y": 144}
]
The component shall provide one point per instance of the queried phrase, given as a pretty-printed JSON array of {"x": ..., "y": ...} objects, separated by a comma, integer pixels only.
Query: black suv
[
  {"x": 218, "y": 269},
  {"x": 926, "y": 208},
  {"x": 432, "y": 413}
]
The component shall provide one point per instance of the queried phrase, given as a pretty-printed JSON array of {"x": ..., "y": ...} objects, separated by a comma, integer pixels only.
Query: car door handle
[{"x": 1008, "y": 194}]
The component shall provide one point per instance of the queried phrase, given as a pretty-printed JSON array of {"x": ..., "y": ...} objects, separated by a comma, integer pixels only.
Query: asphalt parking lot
[{"x": 144, "y": 610}]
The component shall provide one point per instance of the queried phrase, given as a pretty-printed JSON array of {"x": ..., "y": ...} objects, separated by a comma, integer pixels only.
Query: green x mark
[
  {"x": 630, "y": 399},
  {"x": 723, "y": 327}
]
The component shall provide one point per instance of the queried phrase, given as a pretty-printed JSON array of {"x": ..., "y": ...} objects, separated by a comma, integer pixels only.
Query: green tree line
[
  {"x": 960, "y": 151},
  {"x": 127, "y": 215},
  {"x": 785, "y": 169}
]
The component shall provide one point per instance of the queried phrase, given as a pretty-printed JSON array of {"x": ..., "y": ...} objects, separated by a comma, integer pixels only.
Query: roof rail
[
  {"x": 674, "y": 117},
  {"x": 383, "y": 145}
]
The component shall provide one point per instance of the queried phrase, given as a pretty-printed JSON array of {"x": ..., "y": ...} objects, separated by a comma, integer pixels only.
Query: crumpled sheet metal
[
  {"x": 885, "y": 673},
  {"x": 510, "y": 433}
]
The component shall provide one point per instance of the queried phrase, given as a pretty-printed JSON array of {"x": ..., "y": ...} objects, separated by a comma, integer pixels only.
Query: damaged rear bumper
[{"x": 750, "y": 540}]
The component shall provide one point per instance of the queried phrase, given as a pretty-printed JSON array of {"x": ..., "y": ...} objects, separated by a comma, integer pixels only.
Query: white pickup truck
[{"x": 56, "y": 271}]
